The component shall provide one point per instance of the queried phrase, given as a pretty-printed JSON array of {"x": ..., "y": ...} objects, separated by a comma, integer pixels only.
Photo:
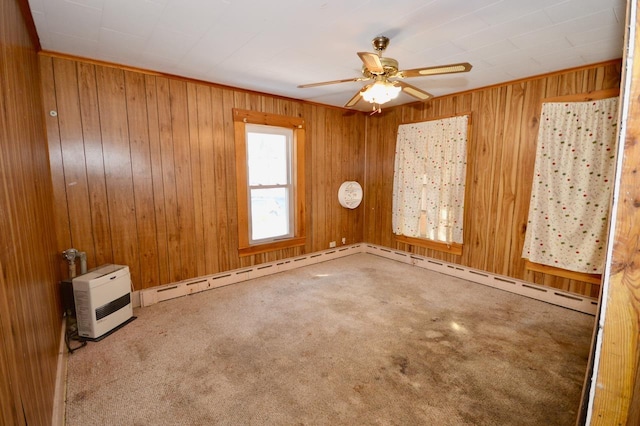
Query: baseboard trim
[
  {"x": 59, "y": 395},
  {"x": 550, "y": 295},
  {"x": 154, "y": 295}
]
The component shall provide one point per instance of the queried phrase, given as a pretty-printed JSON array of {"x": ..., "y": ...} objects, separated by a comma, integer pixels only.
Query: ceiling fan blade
[
  {"x": 414, "y": 91},
  {"x": 440, "y": 69},
  {"x": 355, "y": 99},
  {"x": 372, "y": 62},
  {"x": 325, "y": 83}
]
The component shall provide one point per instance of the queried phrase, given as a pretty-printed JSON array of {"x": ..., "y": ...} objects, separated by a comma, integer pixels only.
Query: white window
[{"x": 269, "y": 183}]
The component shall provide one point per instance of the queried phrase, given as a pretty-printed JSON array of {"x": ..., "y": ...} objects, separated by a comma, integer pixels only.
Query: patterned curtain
[
  {"x": 573, "y": 178},
  {"x": 429, "y": 178}
]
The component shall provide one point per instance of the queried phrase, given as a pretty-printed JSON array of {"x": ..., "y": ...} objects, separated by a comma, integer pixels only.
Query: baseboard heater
[
  {"x": 103, "y": 301},
  {"x": 587, "y": 305}
]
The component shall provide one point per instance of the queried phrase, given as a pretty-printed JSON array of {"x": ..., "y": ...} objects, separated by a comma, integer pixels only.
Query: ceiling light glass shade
[{"x": 381, "y": 92}]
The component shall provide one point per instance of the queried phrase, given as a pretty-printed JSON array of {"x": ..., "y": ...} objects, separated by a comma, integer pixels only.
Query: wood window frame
[
  {"x": 240, "y": 119},
  {"x": 451, "y": 248},
  {"x": 552, "y": 270}
]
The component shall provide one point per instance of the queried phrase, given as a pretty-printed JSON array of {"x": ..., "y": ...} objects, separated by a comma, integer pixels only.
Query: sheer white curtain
[
  {"x": 429, "y": 179},
  {"x": 572, "y": 184}
]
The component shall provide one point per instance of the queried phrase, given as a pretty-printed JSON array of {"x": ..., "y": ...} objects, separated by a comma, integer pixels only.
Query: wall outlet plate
[{"x": 332, "y": 244}]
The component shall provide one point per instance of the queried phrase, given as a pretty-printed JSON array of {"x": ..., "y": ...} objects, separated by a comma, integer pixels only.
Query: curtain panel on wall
[
  {"x": 572, "y": 184},
  {"x": 429, "y": 179}
]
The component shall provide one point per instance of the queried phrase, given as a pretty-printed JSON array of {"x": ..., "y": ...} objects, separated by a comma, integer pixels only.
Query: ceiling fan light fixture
[{"x": 380, "y": 92}]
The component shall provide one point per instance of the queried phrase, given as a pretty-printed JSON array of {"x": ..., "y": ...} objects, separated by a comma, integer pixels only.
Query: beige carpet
[{"x": 357, "y": 340}]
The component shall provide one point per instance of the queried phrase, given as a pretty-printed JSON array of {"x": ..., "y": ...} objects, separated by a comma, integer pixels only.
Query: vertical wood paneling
[
  {"x": 179, "y": 144},
  {"x": 118, "y": 170},
  {"x": 183, "y": 178},
  {"x": 61, "y": 212},
  {"x": 220, "y": 163},
  {"x": 30, "y": 317},
  {"x": 509, "y": 253},
  {"x": 533, "y": 94},
  {"x": 73, "y": 157},
  {"x": 169, "y": 183},
  {"x": 228, "y": 147},
  {"x": 10, "y": 392},
  {"x": 138, "y": 126},
  {"x": 169, "y": 174},
  {"x": 169, "y": 178},
  {"x": 157, "y": 181},
  {"x": 501, "y": 155},
  {"x": 617, "y": 382},
  {"x": 320, "y": 175},
  {"x": 90, "y": 122},
  {"x": 308, "y": 111},
  {"x": 207, "y": 155},
  {"x": 196, "y": 178}
]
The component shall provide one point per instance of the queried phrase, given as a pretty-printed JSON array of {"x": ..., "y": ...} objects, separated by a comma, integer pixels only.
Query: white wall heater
[{"x": 103, "y": 300}]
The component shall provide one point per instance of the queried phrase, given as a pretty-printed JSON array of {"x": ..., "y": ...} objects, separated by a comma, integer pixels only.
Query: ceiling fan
[{"x": 381, "y": 70}]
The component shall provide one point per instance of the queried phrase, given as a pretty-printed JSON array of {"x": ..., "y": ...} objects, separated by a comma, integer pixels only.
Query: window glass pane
[
  {"x": 269, "y": 213},
  {"x": 267, "y": 159}
]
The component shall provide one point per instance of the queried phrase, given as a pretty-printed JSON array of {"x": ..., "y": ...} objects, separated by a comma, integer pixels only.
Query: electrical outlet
[
  {"x": 344, "y": 240},
  {"x": 332, "y": 244}
]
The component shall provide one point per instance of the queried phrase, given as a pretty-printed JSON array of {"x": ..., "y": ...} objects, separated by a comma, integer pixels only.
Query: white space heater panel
[{"x": 103, "y": 300}]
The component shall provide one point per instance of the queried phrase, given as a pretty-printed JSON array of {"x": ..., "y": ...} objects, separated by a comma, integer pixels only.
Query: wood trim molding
[
  {"x": 512, "y": 82},
  {"x": 254, "y": 117},
  {"x": 444, "y": 117},
  {"x": 559, "y": 272},
  {"x": 452, "y": 248},
  {"x": 241, "y": 184},
  {"x": 240, "y": 119},
  {"x": 278, "y": 245},
  {"x": 585, "y": 97}
]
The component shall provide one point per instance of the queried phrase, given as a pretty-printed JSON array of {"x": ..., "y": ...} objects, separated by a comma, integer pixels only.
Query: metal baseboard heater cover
[{"x": 568, "y": 300}]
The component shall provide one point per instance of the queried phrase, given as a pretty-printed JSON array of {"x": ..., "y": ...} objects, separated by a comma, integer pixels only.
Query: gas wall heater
[{"x": 103, "y": 300}]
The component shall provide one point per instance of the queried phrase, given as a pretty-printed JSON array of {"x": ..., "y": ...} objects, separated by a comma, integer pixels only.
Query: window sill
[
  {"x": 276, "y": 245},
  {"x": 564, "y": 273},
  {"x": 452, "y": 248}
]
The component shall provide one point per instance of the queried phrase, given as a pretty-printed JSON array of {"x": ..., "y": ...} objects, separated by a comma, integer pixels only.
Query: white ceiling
[{"x": 273, "y": 46}]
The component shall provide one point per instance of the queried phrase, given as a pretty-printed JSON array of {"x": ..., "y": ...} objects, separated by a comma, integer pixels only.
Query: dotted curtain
[
  {"x": 572, "y": 184},
  {"x": 429, "y": 179}
]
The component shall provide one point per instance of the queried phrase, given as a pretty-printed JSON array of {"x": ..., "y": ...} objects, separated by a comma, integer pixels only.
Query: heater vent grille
[{"x": 113, "y": 306}]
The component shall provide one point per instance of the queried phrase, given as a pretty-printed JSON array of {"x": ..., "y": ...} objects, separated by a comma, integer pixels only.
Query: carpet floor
[{"x": 355, "y": 340}]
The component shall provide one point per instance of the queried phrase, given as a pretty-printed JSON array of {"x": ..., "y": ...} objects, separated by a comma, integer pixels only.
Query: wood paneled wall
[
  {"x": 143, "y": 173},
  {"x": 30, "y": 317},
  {"x": 617, "y": 391},
  {"x": 143, "y": 170},
  {"x": 501, "y": 154}
]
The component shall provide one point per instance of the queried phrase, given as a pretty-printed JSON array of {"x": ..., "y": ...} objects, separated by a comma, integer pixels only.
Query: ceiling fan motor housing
[{"x": 389, "y": 65}]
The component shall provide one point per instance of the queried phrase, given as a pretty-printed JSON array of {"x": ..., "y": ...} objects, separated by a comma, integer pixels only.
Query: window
[
  {"x": 269, "y": 183},
  {"x": 572, "y": 185},
  {"x": 270, "y": 179},
  {"x": 429, "y": 183}
]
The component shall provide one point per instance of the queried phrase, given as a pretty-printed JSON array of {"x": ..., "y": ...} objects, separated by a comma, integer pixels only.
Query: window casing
[{"x": 270, "y": 181}]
